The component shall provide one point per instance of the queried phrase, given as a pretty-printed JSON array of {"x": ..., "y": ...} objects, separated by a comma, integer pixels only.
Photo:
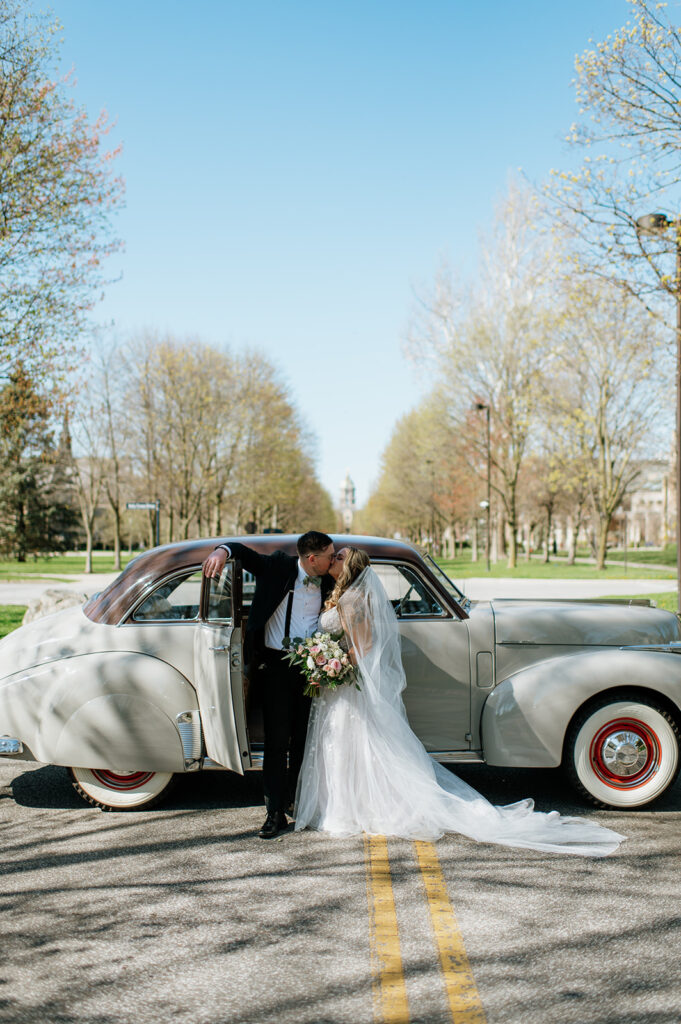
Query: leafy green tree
[
  {"x": 608, "y": 397},
  {"x": 490, "y": 346},
  {"x": 629, "y": 94},
  {"x": 57, "y": 193},
  {"x": 32, "y": 516}
]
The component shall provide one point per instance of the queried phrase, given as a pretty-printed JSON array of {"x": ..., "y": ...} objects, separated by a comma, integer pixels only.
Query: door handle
[{"x": 223, "y": 648}]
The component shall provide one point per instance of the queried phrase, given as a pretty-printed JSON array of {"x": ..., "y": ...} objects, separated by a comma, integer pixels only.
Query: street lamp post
[
  {"x": 655, "y": 223},
  {"x": 480, "y": 406}
]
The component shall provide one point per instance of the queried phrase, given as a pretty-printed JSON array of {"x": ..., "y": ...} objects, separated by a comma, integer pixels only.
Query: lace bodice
[{"x": 329, "y": 621}]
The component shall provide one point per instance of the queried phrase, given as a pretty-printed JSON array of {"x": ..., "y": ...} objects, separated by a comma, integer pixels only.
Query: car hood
[
  {"x": 60, "y": 635},
  {"x": 582, "y": 623}
]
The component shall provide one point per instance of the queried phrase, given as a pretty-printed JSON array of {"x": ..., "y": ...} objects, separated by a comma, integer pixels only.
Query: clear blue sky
[{"x": 295, "y": 169}]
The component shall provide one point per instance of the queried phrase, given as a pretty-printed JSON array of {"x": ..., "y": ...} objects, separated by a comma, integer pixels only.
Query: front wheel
[
  {"x": 623, "y": 753},
  {"x": 120, "y": 791}
]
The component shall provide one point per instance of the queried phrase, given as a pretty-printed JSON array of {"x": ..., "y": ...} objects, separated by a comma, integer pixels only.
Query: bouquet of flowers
[{"x": 322, "y": 661}]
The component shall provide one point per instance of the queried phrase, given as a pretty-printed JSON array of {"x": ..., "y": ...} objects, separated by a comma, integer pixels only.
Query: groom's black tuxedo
[
  {"x": 275, "y": 575},
  {"x": 285, "y": 708}
]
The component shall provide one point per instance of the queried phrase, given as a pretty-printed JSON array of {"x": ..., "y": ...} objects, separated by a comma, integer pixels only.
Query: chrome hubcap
[
  {"x": 121, "y": 780},
  {"x": 625, "y": 753}
]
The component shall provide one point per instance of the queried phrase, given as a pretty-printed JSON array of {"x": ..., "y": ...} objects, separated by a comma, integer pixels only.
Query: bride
[{"x": 364, "y": 770}]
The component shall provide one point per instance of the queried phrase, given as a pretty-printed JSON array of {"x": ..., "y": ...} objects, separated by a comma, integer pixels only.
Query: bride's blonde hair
[{"x": 354, "y": 563}]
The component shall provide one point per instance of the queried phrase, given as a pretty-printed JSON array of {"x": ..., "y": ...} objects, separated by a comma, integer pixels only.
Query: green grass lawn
[
  {"x": 667, "y": 600},
  {"x": 10, "y": 617},
  {"x": 55, "y": 565},
  {"x": 665, "y": 556},
  {"x": 464, "y": 567}
]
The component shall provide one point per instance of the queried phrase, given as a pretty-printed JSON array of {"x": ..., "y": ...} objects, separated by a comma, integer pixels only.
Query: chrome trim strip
[
  {"x": 446, "y": 613},
  {"x": 457, "y": 756},
  {"x": 188, "y": 570},
  {"x": 189, "y": 727}
]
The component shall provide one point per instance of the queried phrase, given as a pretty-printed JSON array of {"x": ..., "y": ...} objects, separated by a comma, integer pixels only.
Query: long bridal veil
[{"x": 364, "y": 769}]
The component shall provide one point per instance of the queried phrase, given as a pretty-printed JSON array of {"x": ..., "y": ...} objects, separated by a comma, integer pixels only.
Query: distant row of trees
[
  {"x": 576, "y": 375},
  {"x": 566, "y": 336},
  {"x": 214, "y": 436}
]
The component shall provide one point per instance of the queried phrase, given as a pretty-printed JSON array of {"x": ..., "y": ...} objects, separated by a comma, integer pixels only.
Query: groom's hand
[{"x": 215, "y": 562}]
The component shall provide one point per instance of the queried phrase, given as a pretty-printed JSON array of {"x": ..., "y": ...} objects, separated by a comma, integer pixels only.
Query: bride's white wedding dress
[{"x": 364, "y": 770}]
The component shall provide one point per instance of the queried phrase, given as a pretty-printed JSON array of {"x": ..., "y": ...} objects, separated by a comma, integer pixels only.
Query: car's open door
[{"x": 218, "y": 670}]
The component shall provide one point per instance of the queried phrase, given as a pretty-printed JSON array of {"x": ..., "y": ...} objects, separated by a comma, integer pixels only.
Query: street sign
[{"x": 150, "y": 506}]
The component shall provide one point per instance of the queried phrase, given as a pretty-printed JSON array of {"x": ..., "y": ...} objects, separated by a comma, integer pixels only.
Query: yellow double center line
[{"x": 389, "y": 989}]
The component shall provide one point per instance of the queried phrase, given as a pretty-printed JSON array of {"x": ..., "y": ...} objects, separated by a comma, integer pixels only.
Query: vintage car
[{"x": 147, "y": 680}]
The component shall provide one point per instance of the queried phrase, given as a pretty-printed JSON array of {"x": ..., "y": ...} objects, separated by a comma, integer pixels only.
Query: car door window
[
  {"x": 219, "y": 602},
  {"x": 408, "y": 594},
  {"x": 176, "y": 599}
]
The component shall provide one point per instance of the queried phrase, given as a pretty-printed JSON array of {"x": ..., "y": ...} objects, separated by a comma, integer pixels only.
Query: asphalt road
[{"x": 182, "y": 914}]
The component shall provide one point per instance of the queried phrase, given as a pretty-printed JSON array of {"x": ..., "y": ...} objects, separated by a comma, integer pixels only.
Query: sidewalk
[
  {"x": 84, "y": 583},
  {"x": 479, "y": 588},
  {"x": 484, "y": 589}
]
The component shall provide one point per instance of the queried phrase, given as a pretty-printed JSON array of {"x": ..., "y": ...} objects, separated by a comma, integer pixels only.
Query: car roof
[{"x": 112, "y": 604}]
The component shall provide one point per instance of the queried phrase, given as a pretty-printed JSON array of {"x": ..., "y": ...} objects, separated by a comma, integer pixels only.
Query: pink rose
[
  {"x": 320, "y": 659},
  {"x": 315, "y": 649},
  {"x": 335, "y": 664}
]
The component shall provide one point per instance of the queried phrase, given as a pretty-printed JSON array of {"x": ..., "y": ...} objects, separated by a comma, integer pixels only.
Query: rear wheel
[
  {"x": 623, "y": 753},
  {"x": 121, "y": 791}
]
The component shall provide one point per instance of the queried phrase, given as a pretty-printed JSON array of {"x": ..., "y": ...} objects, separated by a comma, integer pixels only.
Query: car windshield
[{"x": 445, "y": 581}]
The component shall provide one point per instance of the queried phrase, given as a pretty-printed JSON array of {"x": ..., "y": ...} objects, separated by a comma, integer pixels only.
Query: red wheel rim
[
  {"x": 625, "y": 753},
  {"x": 121, "y": 780}
]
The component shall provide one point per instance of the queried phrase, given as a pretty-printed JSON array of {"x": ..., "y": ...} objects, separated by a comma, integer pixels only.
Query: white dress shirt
[{"x": 307, "y": 604}]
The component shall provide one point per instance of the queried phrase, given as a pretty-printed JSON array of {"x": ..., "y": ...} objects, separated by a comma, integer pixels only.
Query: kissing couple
[{"x": 351, "y": 763}]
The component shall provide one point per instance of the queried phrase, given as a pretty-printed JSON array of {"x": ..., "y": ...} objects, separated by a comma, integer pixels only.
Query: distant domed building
[{"x": 347, "y": 503}]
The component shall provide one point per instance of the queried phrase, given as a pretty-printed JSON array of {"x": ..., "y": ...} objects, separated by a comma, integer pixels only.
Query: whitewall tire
[
  {"x": 118, "y": 790},
  {"x": 623, "y": 752}
]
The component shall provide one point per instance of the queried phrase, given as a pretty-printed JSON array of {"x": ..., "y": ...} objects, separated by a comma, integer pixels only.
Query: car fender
[
  {"x": 113, "y": 710},
  {"x": 525, "y": 718}
]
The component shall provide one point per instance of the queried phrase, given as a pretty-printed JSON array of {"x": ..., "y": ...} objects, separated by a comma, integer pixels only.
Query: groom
[{"x": 289, "y": 595}]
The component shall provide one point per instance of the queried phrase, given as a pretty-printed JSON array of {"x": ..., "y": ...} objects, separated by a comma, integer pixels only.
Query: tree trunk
[
  {"x": 574, "y": 537},
  {"x": 475, "y": 541},
  {"x": 547, "y": 555},
  {"x": 512, "y": 544},
  {"x": 88, "y": 545},
  {"x": 572, "y": 549},
  {"x": 217, "y": 516},
  {"x": 603, "y": 527},
  {"x": 117, "y": 539}
]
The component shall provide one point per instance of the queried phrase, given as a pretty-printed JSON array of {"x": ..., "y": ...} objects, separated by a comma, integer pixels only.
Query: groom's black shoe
[{"x": 275, "y": 822}]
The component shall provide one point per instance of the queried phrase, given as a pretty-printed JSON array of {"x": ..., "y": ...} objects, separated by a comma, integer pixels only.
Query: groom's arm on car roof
[{"x": 251, "y": 560}]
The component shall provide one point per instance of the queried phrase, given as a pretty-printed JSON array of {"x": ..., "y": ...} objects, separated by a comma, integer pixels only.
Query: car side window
[
  {"x": 176, "y": 599},
  {"x": 219, "y": 605},
  {"x": 408, "y": 594}
]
